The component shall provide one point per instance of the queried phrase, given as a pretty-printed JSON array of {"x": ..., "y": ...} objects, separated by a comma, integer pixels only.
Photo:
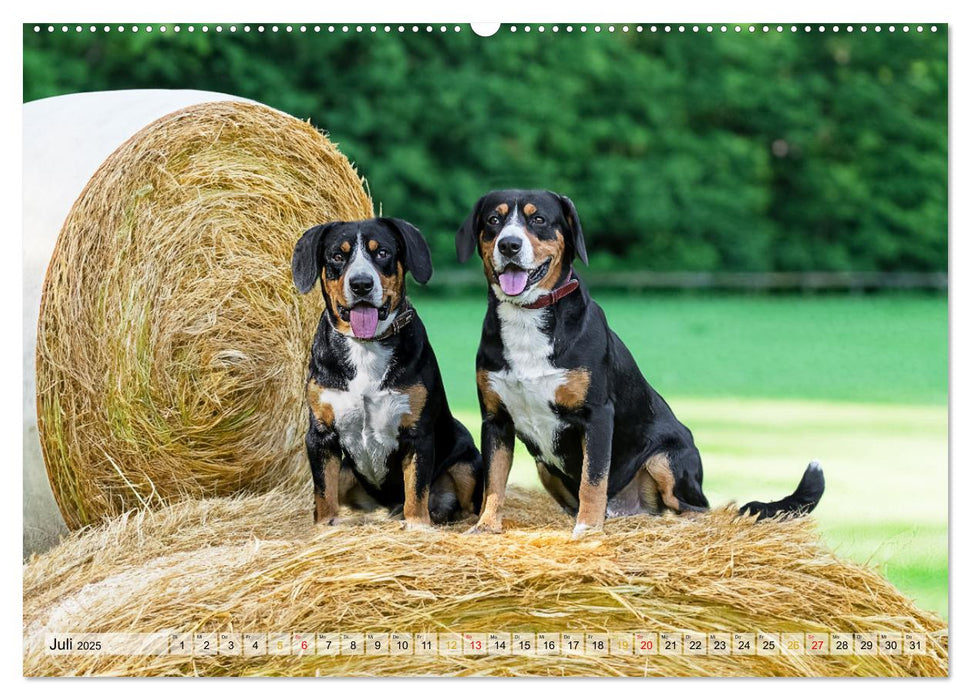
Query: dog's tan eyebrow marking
[
  {"x": 372, "y": 245},
  {"x": 503, "y": 209},
  {"x": 529, "y": 209},
  {"x": 346, "y": 246}
]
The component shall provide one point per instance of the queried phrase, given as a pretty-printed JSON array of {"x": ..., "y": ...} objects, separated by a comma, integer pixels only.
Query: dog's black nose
[
  {"x": 362, "y": 285},
  {"x": 510, "y": 246}
]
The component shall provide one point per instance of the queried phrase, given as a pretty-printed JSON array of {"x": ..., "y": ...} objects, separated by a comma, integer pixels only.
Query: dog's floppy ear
[
  {"x": 467, "y": 237},
  {"x": 573, "y": 224},
  {"x": 305, "y": 264},
  {"x": 418, "y": 258}
]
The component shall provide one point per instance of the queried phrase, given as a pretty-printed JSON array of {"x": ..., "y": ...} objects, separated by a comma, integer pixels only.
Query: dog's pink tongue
[
  {"x": 513, "y": 282},
  {"x": 364, "y": 321}
]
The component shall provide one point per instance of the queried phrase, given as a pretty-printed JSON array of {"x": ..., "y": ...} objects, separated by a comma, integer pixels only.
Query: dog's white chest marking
[
  {"x": 367, "y": 417},
  {"x": 528, "y": 386}
]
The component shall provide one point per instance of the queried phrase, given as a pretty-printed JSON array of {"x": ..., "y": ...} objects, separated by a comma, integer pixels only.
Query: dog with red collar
[
  {"x": 380, "y": 430},
  {"x": 551, "y": 371}
]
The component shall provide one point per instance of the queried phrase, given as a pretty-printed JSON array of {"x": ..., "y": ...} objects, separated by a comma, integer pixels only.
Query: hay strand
[
  {"x": 171, "y": 344},
  {"x": 256, "y": 564}
]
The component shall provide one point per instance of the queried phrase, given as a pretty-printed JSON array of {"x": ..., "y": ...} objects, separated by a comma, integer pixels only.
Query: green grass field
[{"x": 768, "y": 383}]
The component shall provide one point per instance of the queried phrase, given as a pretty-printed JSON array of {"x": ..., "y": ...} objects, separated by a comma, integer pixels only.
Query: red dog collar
[{"x": 554, "y": 296}]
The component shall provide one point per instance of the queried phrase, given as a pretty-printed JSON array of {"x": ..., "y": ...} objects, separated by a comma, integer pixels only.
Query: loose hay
[
  {"x": 256, "y": 564},
  {"x": 171, "y": 344}
]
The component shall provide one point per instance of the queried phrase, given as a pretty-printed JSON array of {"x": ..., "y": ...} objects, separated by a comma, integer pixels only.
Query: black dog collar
[
  {"x": 571, "y": 285},
  {"x": 403, "y": 318}
]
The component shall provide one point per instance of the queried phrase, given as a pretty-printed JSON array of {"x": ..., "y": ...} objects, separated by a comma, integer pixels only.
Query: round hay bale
[
  {"x": 256, "y": 564},
  {"x": 66, "y": 139},
  {"x": 171, "y": 344}
]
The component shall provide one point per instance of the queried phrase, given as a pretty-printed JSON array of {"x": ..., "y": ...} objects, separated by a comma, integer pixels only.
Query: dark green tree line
[{"x": 737, "y": 152}]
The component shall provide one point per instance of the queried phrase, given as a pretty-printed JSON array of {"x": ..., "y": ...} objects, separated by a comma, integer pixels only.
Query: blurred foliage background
[{"x": 692, "y": 152}]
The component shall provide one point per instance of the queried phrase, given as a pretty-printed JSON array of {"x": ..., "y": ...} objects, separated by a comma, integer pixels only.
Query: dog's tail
[{"x": 800, "y": 502}]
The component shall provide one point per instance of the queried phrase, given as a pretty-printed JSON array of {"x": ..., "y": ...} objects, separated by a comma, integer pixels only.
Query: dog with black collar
[
  {"x": 380, "y": 430},
  {"x": 551, "y": 371}
]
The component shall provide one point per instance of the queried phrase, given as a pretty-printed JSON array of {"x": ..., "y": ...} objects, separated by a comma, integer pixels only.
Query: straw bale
[
  {"x": 257, "y": 564},
  {"x": 66, "y": 138},
  {"x": 172, "y": 346}
]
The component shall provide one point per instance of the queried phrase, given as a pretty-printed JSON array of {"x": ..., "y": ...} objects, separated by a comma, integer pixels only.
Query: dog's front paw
[
  {"x": 417, "y": 525},
  {"x": 485, "y": 528},
  {"x": 327, "y": 522},
  {"x": 582, "y": 530}
]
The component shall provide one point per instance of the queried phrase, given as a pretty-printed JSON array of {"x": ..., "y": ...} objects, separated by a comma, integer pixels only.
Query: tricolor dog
[
  {"x": 551, "y": 371},
  {"x": 380, "y": 431}
]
